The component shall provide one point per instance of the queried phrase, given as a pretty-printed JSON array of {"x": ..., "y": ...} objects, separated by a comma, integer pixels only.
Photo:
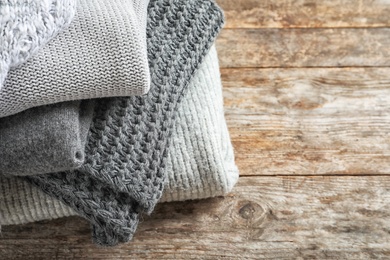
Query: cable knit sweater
[
  {"x": 200, "y": 162},
  {"x": 102, "y": 54},
  {"x": 26, "y": 26},
  {"x": 126, "y": 151}
]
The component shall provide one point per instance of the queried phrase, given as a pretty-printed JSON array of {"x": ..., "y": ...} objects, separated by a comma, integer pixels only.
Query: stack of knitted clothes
[{"x": 108, "y": 107}]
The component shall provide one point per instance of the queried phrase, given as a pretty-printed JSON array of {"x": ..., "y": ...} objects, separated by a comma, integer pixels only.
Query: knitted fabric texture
[
  {"x": 126, "y": 151},
  {"x": 26, "y": 26},
  {"x": 201, "y": 158},
  {"x": 200, "y": 163},
  {"x": 102, "y": 54},
  {"x": 45, "y": 139}
]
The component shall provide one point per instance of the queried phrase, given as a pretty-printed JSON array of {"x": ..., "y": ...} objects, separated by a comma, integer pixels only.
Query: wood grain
[
  {"x": 309, "y": 121},
  {"x": 264, "y": 218},
  {"x": 264, "y": 48},
  {"x": 307, "y": 96},
  {"x": 305, "y": 13}
]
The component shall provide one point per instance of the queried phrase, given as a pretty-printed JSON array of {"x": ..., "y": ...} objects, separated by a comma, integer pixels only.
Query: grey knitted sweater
[
  {"x": 200, "y": 162},
  {"x": 45, "y": 139},
  {"x": 26, "y": 26},
  {"x": 126, "y": 151},
  {"x": 78, "y": 63},
  {"x": 101, "y": 54}
]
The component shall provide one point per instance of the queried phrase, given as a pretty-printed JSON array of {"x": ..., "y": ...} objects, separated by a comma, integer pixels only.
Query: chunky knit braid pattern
[{"x": 127, "y": 145}]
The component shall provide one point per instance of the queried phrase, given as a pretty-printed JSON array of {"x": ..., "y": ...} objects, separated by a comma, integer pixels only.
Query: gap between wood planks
[
  {"x": 306, "y": 67},
  {"x": 305, "y": 28},
  {"x": 313, "y": 175},
  {"x": 305, "y": 13}
]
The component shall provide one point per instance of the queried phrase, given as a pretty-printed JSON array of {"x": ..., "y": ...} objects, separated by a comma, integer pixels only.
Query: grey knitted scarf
[{"x": 126, "y": 151}]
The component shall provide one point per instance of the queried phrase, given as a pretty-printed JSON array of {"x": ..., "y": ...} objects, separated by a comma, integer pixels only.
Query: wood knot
[
  {"x": 249, "y": 209},
  {"x": 251, "y": 217}
]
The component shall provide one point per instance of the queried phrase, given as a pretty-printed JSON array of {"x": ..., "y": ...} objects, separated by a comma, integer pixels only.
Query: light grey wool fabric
[
  {"x": 200, "y": 162},
  {"x": 127, "y": 147},
  {"x": 201, "y": 158},
  {"x": 45, "y": 139},
  {"x": 26, "y": 26},
  {"x": 38, "y": 140},
  {"x": 101, "y": 54}
]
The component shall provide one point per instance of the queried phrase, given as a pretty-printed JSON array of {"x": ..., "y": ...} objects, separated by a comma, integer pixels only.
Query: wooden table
[{"x": 307, "y": 96}]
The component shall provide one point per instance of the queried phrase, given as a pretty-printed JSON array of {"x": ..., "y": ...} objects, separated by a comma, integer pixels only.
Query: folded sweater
[
  {"x": 127, "y": 146},
  {"x": 201, "y": 158},
  {"x": 26, "y": 26},
  {"x": 200, "y": 162},
  {"x": 45, "y": 139},
  {"x": 101, "y": 54}
]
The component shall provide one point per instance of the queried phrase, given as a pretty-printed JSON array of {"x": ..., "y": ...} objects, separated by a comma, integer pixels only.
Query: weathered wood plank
[
  {"x": 305, "y": 13},
  {"x": 264, "y": 218},
  {"x": 254, "y": 48},
  {"x": 309, "y": 121}
]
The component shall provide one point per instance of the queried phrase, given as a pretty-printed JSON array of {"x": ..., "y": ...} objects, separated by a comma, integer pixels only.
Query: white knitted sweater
[{"x": 26, "y": 26}]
